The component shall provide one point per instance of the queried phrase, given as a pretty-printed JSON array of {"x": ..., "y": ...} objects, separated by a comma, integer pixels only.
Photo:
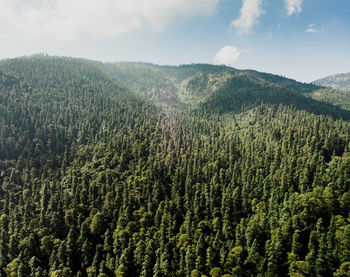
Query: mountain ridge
[
  {"x": 111, "y": 177},
  {"x": 339, "y": 81},
  {"x": 193, "y": 85}
]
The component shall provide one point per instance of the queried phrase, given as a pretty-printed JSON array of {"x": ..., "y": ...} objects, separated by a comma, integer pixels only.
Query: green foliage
[
  {"x": 224, "y": 89},
  {"x": 239, "y": 175},
  {"x": 343, "y": 271},
  {"x": 336, "y": 97}
]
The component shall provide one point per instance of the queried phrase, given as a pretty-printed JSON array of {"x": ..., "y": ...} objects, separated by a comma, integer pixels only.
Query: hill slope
[
  {"x": 221, "y": 88},
  {"x": 51, "y": 106},
  {"x": 97, "y": 181},
  {"x": 338, "y": 81}
]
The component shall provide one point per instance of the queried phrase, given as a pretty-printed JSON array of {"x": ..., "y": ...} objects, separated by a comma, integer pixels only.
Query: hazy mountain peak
[{"x": 337, "y": 81}]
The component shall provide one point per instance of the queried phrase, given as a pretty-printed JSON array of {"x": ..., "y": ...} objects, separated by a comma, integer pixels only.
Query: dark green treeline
[{"x": 96, "y": 181}]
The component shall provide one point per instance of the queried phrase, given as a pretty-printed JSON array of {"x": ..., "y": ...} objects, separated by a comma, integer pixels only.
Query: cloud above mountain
[
  {"x": 227, "y": 55},
  {"x": 249, "y": 15},
  {"x": 67, "y": 20}
]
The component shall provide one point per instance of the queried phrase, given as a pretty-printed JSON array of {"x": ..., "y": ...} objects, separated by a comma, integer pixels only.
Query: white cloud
[
  {"x": 66, "y": 20},
  {"x": 249, "y": 16},
  {"x": 227, "y": 55},
  {"x": 293, "y": 6},
  {"x": 312, "y": 29}
]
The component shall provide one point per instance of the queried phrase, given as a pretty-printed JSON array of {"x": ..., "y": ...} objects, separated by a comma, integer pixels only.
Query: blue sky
[{"x": 301, "y": 39}]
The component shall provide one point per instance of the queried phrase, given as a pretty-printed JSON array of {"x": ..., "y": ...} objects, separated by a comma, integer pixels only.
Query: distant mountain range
[
  {"x": 223, "y": 88},
  {"x": 338, "y": 81}
]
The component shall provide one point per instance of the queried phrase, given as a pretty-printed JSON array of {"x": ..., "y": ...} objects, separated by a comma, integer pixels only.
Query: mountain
[
  {"x": 135, "y": 169},
  {"x": 223, "y": 89},
  {"x": 336, "y": 90},
  {"x": 338, "y": 81},
  {"x": 51, "y": 105},
  {"x": 340, "y": 98}
]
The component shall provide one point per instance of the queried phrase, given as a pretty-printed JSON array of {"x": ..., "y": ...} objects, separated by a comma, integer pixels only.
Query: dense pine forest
[{"x": 134, "y": 169}]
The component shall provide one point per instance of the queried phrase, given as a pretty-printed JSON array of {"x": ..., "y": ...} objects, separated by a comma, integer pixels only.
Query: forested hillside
[
  {"x": 338, "y": 81},
  {"x": 230, "y": 89},
  {"x": 141, "y": 170},
  {"x": 340, "y": 98}
]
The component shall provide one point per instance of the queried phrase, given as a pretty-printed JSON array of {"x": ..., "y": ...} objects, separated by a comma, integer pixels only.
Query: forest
[{"x": 134, "y": 169}]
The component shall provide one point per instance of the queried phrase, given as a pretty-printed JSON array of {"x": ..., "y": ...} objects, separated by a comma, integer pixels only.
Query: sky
[{"x": 300, "y": 39}]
